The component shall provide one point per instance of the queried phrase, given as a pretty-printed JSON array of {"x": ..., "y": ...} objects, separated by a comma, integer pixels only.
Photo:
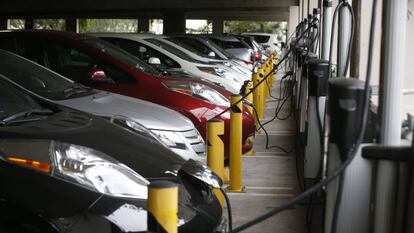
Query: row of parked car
[{"x": 88, "y": 121}]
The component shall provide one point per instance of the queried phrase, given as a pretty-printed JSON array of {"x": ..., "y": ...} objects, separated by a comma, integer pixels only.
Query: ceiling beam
[{"x": 81, "y": 8}]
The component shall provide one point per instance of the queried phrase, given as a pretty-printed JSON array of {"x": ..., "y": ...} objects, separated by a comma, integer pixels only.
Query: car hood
[
  {"x": 152, "y": 116},
  {"x": 141, "y": 153}
]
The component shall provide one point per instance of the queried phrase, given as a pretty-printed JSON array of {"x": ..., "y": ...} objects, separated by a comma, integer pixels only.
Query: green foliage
[
  {"x": 237, "y": 27},
  {"x": 50, "y": 24},
  {"x": 108, "y": 25},
  {"x": 203, "y": 29},
  {"x": 16, "y": 24}
]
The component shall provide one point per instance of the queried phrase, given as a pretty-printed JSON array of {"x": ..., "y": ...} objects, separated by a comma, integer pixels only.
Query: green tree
[
  {"x": 108, "y": 25},
  {"x": 16, "y": 24},
  {"x": 237, "y": 27},
  {"x": 50, "y": 24}
]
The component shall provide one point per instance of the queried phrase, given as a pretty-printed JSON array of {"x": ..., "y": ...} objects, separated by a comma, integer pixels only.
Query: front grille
[{"x": 196, "y": 141}]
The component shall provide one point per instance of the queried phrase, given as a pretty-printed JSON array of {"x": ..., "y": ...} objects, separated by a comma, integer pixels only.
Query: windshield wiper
[{"x": 26, "y": 113}]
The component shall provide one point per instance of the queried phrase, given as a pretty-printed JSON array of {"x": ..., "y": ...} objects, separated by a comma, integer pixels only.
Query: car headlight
[
  {"x": 171, "y": 139},
  {"x": 81, "y": 165},
  {"x": 199, "y": 91},
  {"x": 212, "y": 70}
]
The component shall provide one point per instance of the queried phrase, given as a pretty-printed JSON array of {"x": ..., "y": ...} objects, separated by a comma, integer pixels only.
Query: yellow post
[
  {"x": 249, "y": 97},
  {"x": 215, "y": 151},
  {"x": 261, "y": 88},
  {"x": 257, "y": 99},
  {"x": 236, "y": 145},
  {"x": 162, "y": 207}
]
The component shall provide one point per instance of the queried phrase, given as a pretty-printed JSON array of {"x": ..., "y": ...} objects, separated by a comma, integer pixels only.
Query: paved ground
[{"x": 270, "y": 178}]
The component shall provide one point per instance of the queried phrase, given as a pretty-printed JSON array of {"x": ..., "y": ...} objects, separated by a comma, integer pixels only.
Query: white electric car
[{"x": 164, "y": 56}]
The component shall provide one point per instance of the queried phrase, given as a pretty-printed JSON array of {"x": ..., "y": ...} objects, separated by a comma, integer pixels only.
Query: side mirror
[
  {"x": 96, "y": 75},
  {"x": 211, "y": 54},
  {"x": 154, "y": 61}
]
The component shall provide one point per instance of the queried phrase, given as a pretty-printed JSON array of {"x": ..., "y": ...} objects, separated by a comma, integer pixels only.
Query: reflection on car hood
[
  {"x": 142, "y": 154},
  {"x": 152, "y": 116}
]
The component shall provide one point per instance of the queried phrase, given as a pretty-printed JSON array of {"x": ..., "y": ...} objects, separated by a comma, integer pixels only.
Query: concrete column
[
  {"x": 3, "y": 24},
  {"x": 392, "y": 77},
  {"x": 72, "y": 25},
  {"x": 218, "y": 26},
  {"x": 143, "y": 24},
  {"x": 29, "y": 23},
  {"x": 313, "y": 4},
  {"x": 293, "y": 19},
  {"x": 174, "y": 22}
]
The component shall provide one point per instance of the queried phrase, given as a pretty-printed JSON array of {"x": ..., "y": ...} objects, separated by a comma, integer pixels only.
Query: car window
[
  {"x": 229, "y": 44},
  {"x": 144, "y": 52},
  {"x": 119, "y": 54},
  {"x": 261, "y": 39},
  {"x": 172, "y": 49},
  {"x": 78, "y": 65},
  {"x": 200, "y": 48},
  {"x": 13, "y": 101},
  {"x": 36, "y": 78}
]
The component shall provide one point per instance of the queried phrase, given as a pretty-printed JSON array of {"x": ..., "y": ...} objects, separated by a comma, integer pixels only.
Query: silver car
[
  {"x": 234, "y": 46},
  {"x": 167, "y": 126}
]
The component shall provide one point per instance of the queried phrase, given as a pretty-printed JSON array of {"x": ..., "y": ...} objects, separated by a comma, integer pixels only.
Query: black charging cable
[{"x": 230, "y": 215}]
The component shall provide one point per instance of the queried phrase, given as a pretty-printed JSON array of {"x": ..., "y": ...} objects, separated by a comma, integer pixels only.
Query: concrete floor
[{"x": 270, "y": 178}]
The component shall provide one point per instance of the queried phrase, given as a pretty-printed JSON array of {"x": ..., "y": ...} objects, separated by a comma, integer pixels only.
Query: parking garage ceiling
[{"x": 209, "y": 9}]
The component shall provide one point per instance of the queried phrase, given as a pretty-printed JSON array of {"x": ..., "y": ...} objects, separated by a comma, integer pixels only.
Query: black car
[{"x": 62, "y": 170}]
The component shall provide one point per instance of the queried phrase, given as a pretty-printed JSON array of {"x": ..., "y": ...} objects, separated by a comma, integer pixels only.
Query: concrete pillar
[
  {"x": 293, "y": 19},
  {"x": 408, "y": 99},
  {"x": 143, "y": 24},
  {"x": 71, "y": 25},
  {"x": 3, "y": 24},
  {"x": 218, "y": 26},
  {"x": 174, "y": 22},
  {"x": 29, "y": 23},
  {"x": 313, "y": 4}
]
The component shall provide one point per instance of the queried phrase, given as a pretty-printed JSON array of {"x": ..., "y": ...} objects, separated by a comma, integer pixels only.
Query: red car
[{"x": 103, "y": 66}]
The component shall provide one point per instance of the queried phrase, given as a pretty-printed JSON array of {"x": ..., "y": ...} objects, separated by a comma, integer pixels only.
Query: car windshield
[
  {"x": 223, "y": 51},
  {"x": 186, "y": 46},
  {"x": 120, "y": 54},
  {"x": 261, "y": 39},
  {"x": 13, "y": 101},
  {"x": 38, "y": 79},
  {"x": 172, "y": 49}
]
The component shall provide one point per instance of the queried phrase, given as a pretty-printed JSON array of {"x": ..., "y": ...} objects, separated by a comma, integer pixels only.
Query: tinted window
[
  {"x": 261, "y": 39},
  {"x": 13, "y": 101},
  {"x": 120, "y": 55},
  {"x": 202, "y": 49},
  {"x": 144, "y": 52},
  {"x": 172, "y": 49},
  {"x": 78, "y": 65},
  {"x": 36, "y": 78}
]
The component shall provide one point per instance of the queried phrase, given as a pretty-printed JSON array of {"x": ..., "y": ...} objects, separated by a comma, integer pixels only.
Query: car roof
[
  {"x": 69, "y": 35},
  {"x": 223, "y": 37},
  {"x": 258, "y": 34}
]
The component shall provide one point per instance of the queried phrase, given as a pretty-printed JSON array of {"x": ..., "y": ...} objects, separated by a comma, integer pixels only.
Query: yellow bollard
[
  {"x": 261, "y": 88},
  {"x": 249, "y": 97},
  {"x": 215, "y": 151},
  {"x": 257, "y": 99},
  {"x": 162, "y": 207},
  {"x": 236, "y": 145}
]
